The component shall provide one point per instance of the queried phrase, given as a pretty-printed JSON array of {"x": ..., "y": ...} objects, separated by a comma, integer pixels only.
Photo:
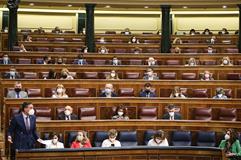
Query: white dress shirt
[
  {"x": 108, "y": 143},
  {"x": 153, "y": 143}
]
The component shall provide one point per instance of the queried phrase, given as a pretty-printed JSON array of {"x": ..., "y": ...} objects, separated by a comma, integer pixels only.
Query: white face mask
[
  {"x": 67, "y": 112},
  {"x": 85, "y": 50},
  {"x": 112, "y": 74},
  {"x": 12, "y": 73},
  {"x": 120, "y": 113},
  {"x": 55, "y": 141},
  {"x": 171, "y": 114},
  {"x": 133, "y": 40},
  {"x": 158, "y": 141},
  {"x": 149, "y": 74},
  {"x": 126, "y": 33},
  {"x": 80, "y": 137},
  {"x": 60, "y": 90},
  {"x": 108, "y": 90},
  {"x": 210, "y": 51},
  {"x": 31, "y": 112},
  {"x": 219, "y": 95},
  {"x": 102, "y": 51},
  {"x": 225, "y": 61},
  {"x": 115, "y": 62},
  {"x": 227, "y": 137},
  {"x": 207, "y": 76},
  {"x": 176, "y": 94},
  {"x": 5, "y": 58},
  {"x": 192, "y": 64}
]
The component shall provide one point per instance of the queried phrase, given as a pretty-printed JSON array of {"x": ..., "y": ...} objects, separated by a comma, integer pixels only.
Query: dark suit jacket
[
  {"x": 7, "y": 75},
  {"x": 145, "y": 94},
  {"x": 61, "y": 116},
  {"x": 22, "y": 139},
  {"x": 177, "y": 116},
  {"x": 9, "y": 61},
  {"x": 112, "y": 94}
]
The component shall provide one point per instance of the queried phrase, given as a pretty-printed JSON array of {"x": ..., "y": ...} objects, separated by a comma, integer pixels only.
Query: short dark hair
[
  {"x": 147, "y": 85},
  {"x": 171, "y": 106},
  {"x": 24, "y": 105}
]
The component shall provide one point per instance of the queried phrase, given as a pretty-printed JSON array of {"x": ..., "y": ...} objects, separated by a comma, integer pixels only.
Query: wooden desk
[{"x": 130, "y": 153}]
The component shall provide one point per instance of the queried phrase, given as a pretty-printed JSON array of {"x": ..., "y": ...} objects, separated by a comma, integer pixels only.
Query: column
[
  {"x": 12, "y": 23},
  {"x": 90, "y": 28},
  {"x": 239, "y": 37},
  {"x": 166, "y": 29}
]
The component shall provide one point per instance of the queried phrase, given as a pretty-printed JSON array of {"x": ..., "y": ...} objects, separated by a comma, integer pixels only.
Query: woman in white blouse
[
  {"x": 53, "y": 143},
  {"x": 158, "y": 139},
  {"x": 60, "y": 92}
]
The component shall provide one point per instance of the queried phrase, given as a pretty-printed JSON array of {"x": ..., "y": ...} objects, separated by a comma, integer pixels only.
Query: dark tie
[
  {"x": 67, "y": 117},
  {"x": 27, "y": 124},
  {"x": 18, "y": 94}
]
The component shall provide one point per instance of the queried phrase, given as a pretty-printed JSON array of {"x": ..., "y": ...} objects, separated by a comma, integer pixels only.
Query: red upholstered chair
[
  {"x": 148, "y": 113},
  {"x": 30, "y": 75},
  {"x": 191, "y": 50},
  {"x": 87, "y": 113},
  {"x": 81, "y": 92},
  {"x": 48, "y": 92},
  {"x": 135, "y": 62},
  {"x": 117, "y": 41},
  {"x": 99, "y": 62},
  {"x": 126, "y": 92},
  {"x": 42, "y": 49},
  {"x": 34, "y": 92},
  {"x": 76, "y": 50},
  {"x": 60, "y": 39},
  {"x": 200, "y": 93},
  {"x": 189, "y": 76},
  {"x": 152, "y": 50},
  {"x": 43, "y": 113},
  {"x": 132, "y": 75},
  {"x": 59, "y": 49},
  {"x": 24, "y": 61},
  {"x": 209, "y": 62},
  {"x": 202, "y": 114},
  {"x": 168, "y": 75},
  {"x": 233, "y": 76},
  {"x": 120, "y": 50},
  {"x": 228, "y": 114},
  {"x": 231, "y": 50},
  {"x": 238, "y": 62},
  {"x": 41, "y": 39},
  {"x": 13, "y": 111},
  {"x": 228, "y": 92},
  {"x": 90, "y": 75},
  {"x": 151, "y": 41},
  {"x": 173, "y": 62}
]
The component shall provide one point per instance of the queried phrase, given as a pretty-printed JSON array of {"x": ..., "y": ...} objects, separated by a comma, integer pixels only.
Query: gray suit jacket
[{"x": 13, "y": 94}]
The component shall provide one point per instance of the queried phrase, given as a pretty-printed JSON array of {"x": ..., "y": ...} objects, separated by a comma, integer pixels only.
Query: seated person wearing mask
[
  {"x": 111, "y": 141},
  {"x": 177, "y": 41},
  {"x": 81, "y": 61},
  {"x": 53, "y": 143},
  {"x": 226, "y": 61},
  {"x": 126, "y": 31},
  {"x": 81, "y": 141},
  {"x": 57, "y": 30},
  {"x": 151, "y": 61},
  {"x": 12, "y": 74},
  {"x": 67, "y": 114},
  {"x": 177, "y": 93},
  {"x": 210, "y": 50},
  {"x": 51, "y": 74},
  {"x": 65, "y": 74},
  {"x": 147, "y": 91},
  {"x": 134, "y": 40},
  {"x": 207, "y": 32},
  {"x": 231, "y": 144},
  {"x": 176, "y": 50},
  {"x": 5, "y": 60},
  {"x": 108, "y": 91},
  {"x": 223, "y": 31},
  {"x": 112, "y": 75},
  {"x": 22, "y": 48},
  {"x": 103, "y": 50},
  {"x": 17, "y": 92},
  {"x": 171, "y": 113},
  {"x": 60, "y": 92},
  {"x": 213, "y": 40},
  {"x": 158, "y": 139},
  {"x": 47, "y": 60},
  {"x": 150, "y": 75},
  {"x": 206, "y": 76},
  {"x": 191, "y": 62},
  {"x": 137, "y": 50},
  {"x": 121, "y": 113},
  {"x": 220, "y": 94},
  {"x": 60, "y": 61},
  {"x": 115, "y": 61}
]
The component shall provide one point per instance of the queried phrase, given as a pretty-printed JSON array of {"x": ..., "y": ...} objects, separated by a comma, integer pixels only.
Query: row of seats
[
  {"x": 129, "y": 138},
  {"x": 124, "y": 62},
  {"x": 144, "y": 113},
  {"x": 122, "y": 92},
  {"x": 126, "y": 75}
]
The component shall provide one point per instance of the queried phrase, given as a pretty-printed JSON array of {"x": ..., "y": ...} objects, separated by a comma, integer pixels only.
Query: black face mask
[
  {"x": 147, "y": 91},
  {"x": 64, "y": 76},
  {"x": 17, "y": 89}
]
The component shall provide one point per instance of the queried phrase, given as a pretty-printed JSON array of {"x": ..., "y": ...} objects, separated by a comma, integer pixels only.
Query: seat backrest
[
  {"x": 233, "y": 76},
  {"x": 181, "y": 138},
  {"x": 209, "y": 62},
  {"x": 41, "y": 39},
  {"x": 135, "y": 62},
  {"x": 132, "y": 75},
  {"x": 148, "y": 113},
  {"x": 228, "y": 92},
  {"x": 119, "y": 50},
  {"x": 42, "y": 49},
  {"x": 87, "y": 113},
  {"x": 231, "y": 50},
  {"x": 76, "y": 50},
  {"x": 191, "y": 50},
  {"x": 148, "y": 136},
  {"x": 207, "y": 139},
  {"x": 81, "y": 92},
  {"x": 30, "y": 75},
  {"x": 99, "y": 62},
  {"x": 173, "y": 62},
  {"x": 90, "y": 75},
  {"x": 126, "y": 92},
  {"x": 128, "y": 138},
  {"x": 99, "y": 137},
  {"x": 168, "y": 75},
  {"x": 200, "y": 93},
  {"x": 43, "y": 113},
  {"x": 228, "y": 114},
  {"x": 71, "y": 137},
  {"x": 202, "y": 113},
  {"x": 59, "y": 49},
  {"x": 189, "y": 76},
  {"x": 152, "y": 50},
  {"x": 34, "y": 92},
  {"x": 24, "y": 61},
  {"x": 59, "y": 39}
]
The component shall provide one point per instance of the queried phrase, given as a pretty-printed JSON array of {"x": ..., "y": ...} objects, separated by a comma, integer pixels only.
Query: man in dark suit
[
  {"x": 17, "y": 92},
  {"x": 147, "y": 91},
  {"x": 108, "y": 91},
  {"x": 5, "y": 60},
  {"x": 172, "y": 113},
  {"x": 67, "y": 114},
  {"x": 12, "y": 74},
  {"x": 22, "y": 130}
]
